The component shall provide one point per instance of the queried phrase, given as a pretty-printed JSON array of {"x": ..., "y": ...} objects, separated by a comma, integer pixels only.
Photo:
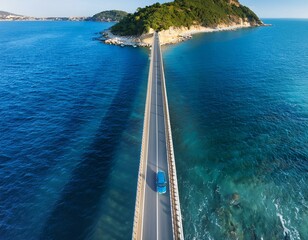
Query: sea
[{"x": 71, "y": 119}]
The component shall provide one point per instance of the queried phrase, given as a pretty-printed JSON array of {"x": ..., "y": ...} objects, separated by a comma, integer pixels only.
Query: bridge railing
[
  {"x": 139, "y": 204},
  {"x": 178, "y": 233}
]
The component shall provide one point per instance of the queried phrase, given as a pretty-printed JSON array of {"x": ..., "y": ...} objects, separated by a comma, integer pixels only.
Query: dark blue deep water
[{"x": 71, "y": 118}]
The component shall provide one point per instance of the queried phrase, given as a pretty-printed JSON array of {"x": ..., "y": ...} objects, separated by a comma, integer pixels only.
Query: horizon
[{"x": 298, "y": 9}]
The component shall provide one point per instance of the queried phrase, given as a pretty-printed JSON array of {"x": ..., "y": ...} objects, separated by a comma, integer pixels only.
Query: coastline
[{"x": 172, "y": 35}]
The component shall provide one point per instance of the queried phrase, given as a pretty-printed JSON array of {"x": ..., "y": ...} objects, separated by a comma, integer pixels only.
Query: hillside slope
[
  {"x": 4, "y": 14},
  {"x": 109, "y": 16},
  {"x": 185, "y": 13}
]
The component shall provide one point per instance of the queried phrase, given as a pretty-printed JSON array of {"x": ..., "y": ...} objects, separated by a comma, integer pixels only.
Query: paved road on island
[{"x": 157, "y": 223}]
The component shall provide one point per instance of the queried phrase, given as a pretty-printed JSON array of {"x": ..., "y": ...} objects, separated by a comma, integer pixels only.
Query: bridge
[{"x": 157, "y": 216}]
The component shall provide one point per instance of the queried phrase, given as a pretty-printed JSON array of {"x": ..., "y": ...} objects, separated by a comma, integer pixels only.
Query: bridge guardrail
[
  {"x": 139, "y": 204},
  {"x": 178, "y": 233}
]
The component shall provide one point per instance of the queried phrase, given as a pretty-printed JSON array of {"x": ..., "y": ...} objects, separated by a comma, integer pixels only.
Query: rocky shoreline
[
  {"x": 109, "y": 38},
  {"x": 171, "y": 36}
]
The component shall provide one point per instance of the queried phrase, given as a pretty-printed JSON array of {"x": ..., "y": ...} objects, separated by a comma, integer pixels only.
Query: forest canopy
[{"x": 208, "y": 13}]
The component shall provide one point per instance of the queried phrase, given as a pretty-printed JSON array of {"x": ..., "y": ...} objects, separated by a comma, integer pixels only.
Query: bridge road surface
[{"x": 157, "y": 223}]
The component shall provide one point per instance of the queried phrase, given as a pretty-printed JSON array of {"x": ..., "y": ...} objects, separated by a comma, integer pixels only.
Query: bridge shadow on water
[{"x": 76, "y": 213}]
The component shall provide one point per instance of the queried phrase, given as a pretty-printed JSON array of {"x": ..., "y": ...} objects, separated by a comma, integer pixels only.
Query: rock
[
  {"x": 233, "y": 235},
  {"x": 235, "y": 199}
]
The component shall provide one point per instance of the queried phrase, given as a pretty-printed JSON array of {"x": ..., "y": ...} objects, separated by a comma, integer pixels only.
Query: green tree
[{"x": 179, "y": 13}]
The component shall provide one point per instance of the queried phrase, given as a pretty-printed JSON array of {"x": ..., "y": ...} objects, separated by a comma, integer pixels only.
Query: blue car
[{"x": 161, "y": 182}]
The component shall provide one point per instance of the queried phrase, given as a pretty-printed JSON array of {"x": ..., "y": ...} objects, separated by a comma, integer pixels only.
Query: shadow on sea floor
[{"x": 75, "y": 214}]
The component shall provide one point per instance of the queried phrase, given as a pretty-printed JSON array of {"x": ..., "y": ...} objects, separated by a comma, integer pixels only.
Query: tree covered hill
[
  {"x": 208, "y": 13},
  {"x": 109, "y": 16}
]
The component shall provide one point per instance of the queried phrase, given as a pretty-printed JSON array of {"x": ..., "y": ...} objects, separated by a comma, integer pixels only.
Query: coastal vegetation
[
  {"x": 109, "y": 16},
  {"x": 207, "y": 13}
]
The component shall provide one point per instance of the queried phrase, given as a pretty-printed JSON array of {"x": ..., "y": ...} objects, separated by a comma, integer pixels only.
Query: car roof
[{"x": 161, "y": 176}]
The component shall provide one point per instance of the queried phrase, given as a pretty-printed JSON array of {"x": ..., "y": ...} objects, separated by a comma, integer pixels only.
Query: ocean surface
[
  {"x": 239, "y": 112},
  {"x": 71, "y": 117}
]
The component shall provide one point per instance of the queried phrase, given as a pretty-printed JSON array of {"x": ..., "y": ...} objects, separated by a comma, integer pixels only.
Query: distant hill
[
  {"x": 109, "y": 16},
  {"x": 7, "y": 16},
  {"x": 105, "y": 16},
  {"x": 4, "y": 14},
  {"x": 185, "y": 13}
]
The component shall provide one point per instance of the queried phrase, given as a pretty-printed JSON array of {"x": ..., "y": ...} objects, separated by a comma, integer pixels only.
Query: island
[
  {"x": 176, "y": 21},
  {"x": 108, "y": 16}
]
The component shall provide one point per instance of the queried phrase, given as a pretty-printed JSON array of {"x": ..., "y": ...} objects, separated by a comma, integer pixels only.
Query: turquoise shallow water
[{"x": 239, "y": 112}]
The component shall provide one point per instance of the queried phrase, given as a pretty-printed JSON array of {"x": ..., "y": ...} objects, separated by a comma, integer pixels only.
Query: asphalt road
[{"x": 157, "y": 223}]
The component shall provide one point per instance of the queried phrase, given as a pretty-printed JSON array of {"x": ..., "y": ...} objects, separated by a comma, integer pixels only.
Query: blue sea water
[
  {"x": 239, "y": 112},
  {"x": 71, "y": 118}
]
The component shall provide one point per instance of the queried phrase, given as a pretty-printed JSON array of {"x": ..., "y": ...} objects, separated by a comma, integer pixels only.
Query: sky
[{"x": 45, "y": 8}]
